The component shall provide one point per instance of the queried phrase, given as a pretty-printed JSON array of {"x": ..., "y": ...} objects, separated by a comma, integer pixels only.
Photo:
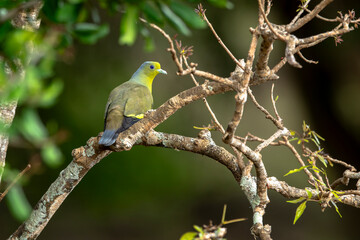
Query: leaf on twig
[
  {"x": 336, "y": 208},
  {"x": 299, "y": 211},
  {"x": 308, "y": 193},
  {"x": 296, "y": 170},
  {"x": 188, "y": 236},
  {"x": 296, "y": 200}
]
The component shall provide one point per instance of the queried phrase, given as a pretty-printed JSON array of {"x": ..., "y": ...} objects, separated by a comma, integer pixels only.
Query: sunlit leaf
[
  {"x": 296, "y": 170},
  {"x": 336, "y": 195},
  {"x": 188, "y": 236},
  {"x": 128, "y": 27},
  {"x": 318, "y": 136},
  {"x": 336, "y": 208},
  {"x": 299, "y": 211},
  {"x": 199, "y": 229},
  {"x": 316, "y": 169},
  {"x": 296, "y": 200},
  {"x": 316, "y": 143},
  {"x": 322, "y": 159}
]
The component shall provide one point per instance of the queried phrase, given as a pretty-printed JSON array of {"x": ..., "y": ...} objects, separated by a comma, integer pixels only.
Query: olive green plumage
[{"x": 128, "y": 102}]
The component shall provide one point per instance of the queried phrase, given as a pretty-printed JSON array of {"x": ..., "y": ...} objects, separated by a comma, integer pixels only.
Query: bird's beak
[{"x": 162, "y": 71}]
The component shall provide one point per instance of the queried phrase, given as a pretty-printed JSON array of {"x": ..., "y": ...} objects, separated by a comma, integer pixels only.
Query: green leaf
[
  {"x": 296, "y": 170},
  {"x": 308, "y": 193},
  {"x": 17, "y": 42},
  {"x": 51, "y": 155},
  {"x": 174, "y": 20},
  {"x": 188, "y": 15},
  {"x": 293, "y": 139},
  {"x": 128, "y": 27},
  {"x": 336, "y": 195},
  {"x": 152, "y": 14},
  {"x": 322, "y": 159},
  {"x": 299, "y": 211},
  {"x": 188, "y": 236},
  {"x": 336, "y": 208},
  {"x": 199, "y": 229},
  {"x": 18, "y": 204},
  {"x": 50, "y": 94},
  {"x": 67, "y": 13},
  {"x": 31, "y": 126},
  {"x": 5, "y": 29},
  {"x": 296, "y": 200},
  {"x": 90, "y": 33},
  {"x": 316, "y": 169}
]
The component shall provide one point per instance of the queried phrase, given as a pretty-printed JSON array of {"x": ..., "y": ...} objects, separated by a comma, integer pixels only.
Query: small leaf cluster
[{"x": 325, "y": 194}]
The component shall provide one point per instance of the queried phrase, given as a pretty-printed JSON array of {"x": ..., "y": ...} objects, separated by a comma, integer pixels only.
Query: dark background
[{"x": 153, "y": 193}]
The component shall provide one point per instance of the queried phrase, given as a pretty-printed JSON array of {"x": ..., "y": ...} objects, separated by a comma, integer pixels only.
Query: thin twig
[
  {"x": 307, "y": 18},
  {"x": 221, "y": 42},
  {"x": 303, "y": 7},
  {"x": 277, "y": 123},
  {"x": 274, "y": 104},
  {"x": 14, "y": 181},
  {"x": 298, "y": 157},
  {"x": 216, "y": 121},
  {"x": 269, "y": 24},
  {"x": 171, "y": 49},
  {"x": 279, "y": 133},
  {"x": 307, "y": 60}
]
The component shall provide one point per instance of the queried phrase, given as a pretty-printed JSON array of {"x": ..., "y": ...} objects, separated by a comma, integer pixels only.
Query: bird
[{"x": 128, "y": 102}]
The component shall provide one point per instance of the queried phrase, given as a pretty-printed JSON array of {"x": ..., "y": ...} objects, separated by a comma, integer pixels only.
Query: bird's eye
[{"x": 151, "y": 66}]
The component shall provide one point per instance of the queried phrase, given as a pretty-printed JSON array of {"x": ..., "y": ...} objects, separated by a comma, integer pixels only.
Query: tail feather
[{"x": 108, "y": 137}]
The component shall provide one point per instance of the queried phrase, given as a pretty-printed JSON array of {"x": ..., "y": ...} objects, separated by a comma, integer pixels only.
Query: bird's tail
[{"x": 108, "y": 137}]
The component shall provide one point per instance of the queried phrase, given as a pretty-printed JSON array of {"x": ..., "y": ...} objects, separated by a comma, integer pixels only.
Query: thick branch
[
  {"x": 203, "y": 145},
  {"x": 292, "y": 192}
]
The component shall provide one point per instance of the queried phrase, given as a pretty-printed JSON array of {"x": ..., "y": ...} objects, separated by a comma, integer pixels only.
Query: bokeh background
[{"x": 153, "y": 193}]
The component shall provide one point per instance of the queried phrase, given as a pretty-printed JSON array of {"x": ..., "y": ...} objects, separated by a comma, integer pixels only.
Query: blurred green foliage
[{"x": 28, "y": 56}]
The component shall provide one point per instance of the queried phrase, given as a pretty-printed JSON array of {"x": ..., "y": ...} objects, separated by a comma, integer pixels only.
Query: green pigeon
[{"x": 128, "y": 102}]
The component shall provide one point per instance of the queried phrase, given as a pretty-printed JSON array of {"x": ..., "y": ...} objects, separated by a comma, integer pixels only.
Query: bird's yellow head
[{"x": 147, "y": 72}]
